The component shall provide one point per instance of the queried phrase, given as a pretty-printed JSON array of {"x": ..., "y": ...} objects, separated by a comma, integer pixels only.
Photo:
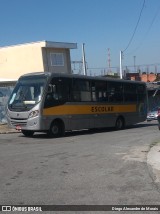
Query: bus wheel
[
  {"x": 119, "y": 123},
  {"x": 27, "y": 133},
  {"x": 56, "y": 129}
]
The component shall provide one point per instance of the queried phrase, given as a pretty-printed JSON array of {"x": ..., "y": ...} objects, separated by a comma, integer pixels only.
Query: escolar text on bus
[{"x": 102, "y": 108}]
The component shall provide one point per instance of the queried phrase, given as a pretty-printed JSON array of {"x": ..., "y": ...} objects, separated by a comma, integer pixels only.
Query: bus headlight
[{"x": 33, "y": 114}]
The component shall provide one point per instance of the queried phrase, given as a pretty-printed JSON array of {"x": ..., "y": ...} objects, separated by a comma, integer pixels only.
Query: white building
[{"x": 35, "y": 57}]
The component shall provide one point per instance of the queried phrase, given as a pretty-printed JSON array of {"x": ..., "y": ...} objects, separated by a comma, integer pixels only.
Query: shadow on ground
[{"x": 92, "y": 131}]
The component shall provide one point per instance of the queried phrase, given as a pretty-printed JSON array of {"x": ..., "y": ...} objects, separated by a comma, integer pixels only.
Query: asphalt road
[{"x": 103, "y": 167}]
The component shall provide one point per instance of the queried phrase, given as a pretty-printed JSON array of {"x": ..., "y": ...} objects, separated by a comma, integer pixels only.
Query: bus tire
[
  {"x": 27, "y": 133},
  {"x": 56, "y": 129},
  {"x": 120, "y": 124}
]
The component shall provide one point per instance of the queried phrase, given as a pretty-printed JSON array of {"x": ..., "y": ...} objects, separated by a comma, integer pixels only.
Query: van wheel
[
  {"x": 119, "y": 123},
  {"x": 56, "y": 129},
  {"x": 27, "y": 133}
]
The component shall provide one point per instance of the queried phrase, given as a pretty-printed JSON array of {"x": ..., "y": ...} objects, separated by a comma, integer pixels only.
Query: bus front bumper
[{"x": 29, "y": 124}]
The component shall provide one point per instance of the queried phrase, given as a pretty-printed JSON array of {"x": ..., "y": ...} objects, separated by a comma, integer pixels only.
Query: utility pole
[
  {"x": 84, "y": 60},
  {"x": 120, "y": 64},
  {"x": 156, "y": 69},
  {"x": 134, "y": 58},
  {"x": 109, "y": 60}
]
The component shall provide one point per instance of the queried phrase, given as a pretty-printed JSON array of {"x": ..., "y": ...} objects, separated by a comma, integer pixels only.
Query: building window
[{"x": 57, "y": 59}]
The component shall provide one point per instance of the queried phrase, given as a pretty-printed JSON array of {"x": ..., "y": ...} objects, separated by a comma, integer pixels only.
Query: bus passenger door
[
  {"x": 58, "y": 99},
  {"x": 81, "y": 101}
]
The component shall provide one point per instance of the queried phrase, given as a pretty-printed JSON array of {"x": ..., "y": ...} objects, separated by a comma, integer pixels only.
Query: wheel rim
[
  {"x": 55, "y": 130},
  {"x": 119, "y": 123}
]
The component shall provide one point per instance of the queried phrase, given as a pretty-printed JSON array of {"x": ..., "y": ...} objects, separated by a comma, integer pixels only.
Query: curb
[
  {"x": 9, "y": 132},
  {"x": 153, "y": 162},
  {"x": 4, "y": 129}
]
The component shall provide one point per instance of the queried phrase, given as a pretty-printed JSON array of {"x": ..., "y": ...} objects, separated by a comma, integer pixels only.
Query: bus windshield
[{"x": 27, "y": 93}]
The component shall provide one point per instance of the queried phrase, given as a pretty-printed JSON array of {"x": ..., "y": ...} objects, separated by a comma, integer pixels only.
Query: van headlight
[{"x": 33, "y": 114}]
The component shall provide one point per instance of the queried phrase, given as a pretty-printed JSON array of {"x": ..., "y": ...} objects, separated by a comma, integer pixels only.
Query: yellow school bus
[{"x": 55, "y": 103}]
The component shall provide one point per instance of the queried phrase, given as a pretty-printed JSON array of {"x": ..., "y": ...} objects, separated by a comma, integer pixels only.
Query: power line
[
  {"x": 147, "y": 32},
  {"x": 141, "y": 65},
  {"x": 135, "y": 27}
]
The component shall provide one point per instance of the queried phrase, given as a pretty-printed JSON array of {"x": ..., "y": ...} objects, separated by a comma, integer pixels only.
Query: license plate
[{"x": 18, "y": 128}]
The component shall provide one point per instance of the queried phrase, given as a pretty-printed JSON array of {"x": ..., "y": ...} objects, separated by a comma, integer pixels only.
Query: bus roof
[{"x": 51, "y": 74}]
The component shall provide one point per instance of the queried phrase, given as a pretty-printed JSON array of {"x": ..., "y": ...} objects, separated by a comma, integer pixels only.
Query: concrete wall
[
  {"x": 33, "y": 57},
  {"x": 6, "y": 89},
  {"x": 20, "y": 59}
]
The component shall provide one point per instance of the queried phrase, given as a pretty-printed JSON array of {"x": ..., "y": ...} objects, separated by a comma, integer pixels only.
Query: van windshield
[{"x": 27, "y": 93}]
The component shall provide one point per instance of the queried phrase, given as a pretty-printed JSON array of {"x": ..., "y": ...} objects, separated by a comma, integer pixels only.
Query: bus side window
[
  {"x": 62, "y": 89},
  {"x": 115, "y": 90},
  {"x": 130, "y": 92},
  {"x": 49, "y": 97},
  {"x": 59, "y": 92},
  {"x": 141, "y": 93},
  {"x": 99, "y": 91},
  {"x": 81, "y": 90},
  {"x": 93, "y": 91}
]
